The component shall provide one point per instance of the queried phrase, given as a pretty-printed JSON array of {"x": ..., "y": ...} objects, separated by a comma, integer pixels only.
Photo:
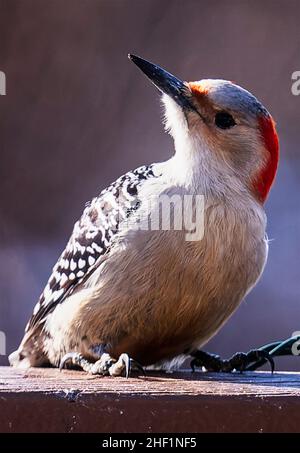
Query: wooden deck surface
[{"x": 47, "y": 400}]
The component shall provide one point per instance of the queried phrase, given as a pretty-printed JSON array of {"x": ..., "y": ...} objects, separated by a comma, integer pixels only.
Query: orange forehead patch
[
  {"x": 200, "y": 92},
  {"x": 198, "y": 88}
]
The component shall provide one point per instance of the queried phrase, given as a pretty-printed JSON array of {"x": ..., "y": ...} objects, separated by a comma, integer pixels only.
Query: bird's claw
[
  {"x": 66, "y": 358},
  {"x": 75, "y": 358},
  {"x": 138, "y": 366},
  {"x": 125, "y": 363},
  {"x": 240, "y": 361},
  {"x": 104, "y": 366}
]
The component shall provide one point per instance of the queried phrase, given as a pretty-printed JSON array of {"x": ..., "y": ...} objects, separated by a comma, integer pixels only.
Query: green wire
[{"x": 275, "y": 349}]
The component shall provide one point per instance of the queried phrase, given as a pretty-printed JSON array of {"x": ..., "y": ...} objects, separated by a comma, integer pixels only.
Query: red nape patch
[{"x": 266, "y": 177}]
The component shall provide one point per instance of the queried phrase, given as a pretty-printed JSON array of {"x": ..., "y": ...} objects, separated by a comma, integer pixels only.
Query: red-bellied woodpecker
[{"x": 124, "y": 294}]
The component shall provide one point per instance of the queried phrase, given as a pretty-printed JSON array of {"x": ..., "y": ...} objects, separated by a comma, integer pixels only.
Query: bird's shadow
[{"x": 257, "y": 378}]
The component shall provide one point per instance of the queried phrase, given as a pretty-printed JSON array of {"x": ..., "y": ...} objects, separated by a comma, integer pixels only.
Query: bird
[{"x": 125, "y": 296}]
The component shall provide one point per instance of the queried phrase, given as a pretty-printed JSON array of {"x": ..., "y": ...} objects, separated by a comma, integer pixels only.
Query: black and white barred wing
[{"x": 91, "y": 239}]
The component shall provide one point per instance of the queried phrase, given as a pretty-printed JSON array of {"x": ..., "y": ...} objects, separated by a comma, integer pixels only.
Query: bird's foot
[
  {"x": 125, "y": 363},
  {"x": 101, "y": 366},
  {"x": 240, "y": 361},
  {"x": 105, "y": 366}
]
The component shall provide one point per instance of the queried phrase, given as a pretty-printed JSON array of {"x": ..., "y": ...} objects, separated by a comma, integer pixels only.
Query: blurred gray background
[{"x": 77, "y": 114}]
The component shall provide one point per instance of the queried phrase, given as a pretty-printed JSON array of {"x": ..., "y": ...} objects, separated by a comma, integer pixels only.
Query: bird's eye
[{"x": 224, "y": 120}]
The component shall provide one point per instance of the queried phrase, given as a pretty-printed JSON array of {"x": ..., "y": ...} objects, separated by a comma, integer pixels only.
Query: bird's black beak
[{"x": 164, "y": 81}]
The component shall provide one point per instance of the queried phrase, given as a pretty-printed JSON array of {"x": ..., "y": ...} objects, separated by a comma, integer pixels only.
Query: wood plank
[{"x": 47, "y": 400}]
